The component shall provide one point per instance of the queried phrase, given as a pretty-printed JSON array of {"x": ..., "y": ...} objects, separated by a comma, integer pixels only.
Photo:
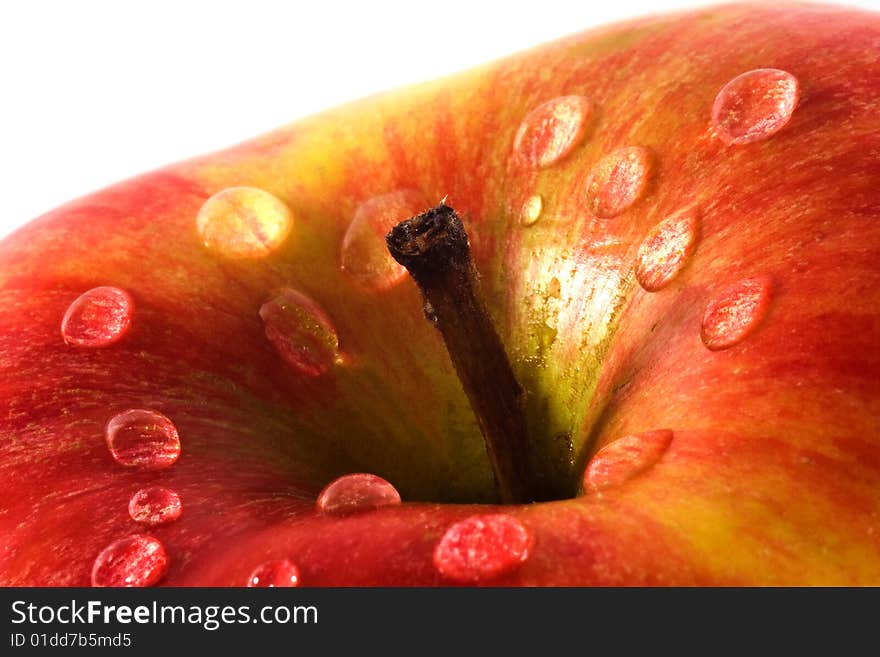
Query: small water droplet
[
  {"x": 531, "y": 210},
  {"x": 482, "y": 547},
  {"x": 552, "y": 130},
  {"x": 619, "y": 180},
  {"x": 755, "y": 105},
  {"x": 274, "y": 574},
  {"x": 430, "y": 313},
  {"x": 244, "y": 222},
  {"x": 626, "y": 457},
  {"x": 136, "y": 560},
  {"x": 666, "y": 249},
  {"x": 97, "y": 318},
  {"x": 735, "y": 313},
  {"x": 142, "y": 439},
  {"x": 352, "y": 493},
  {"x": 155, "y": 506},
  {"x": 364, "y": 254},
  {"x": 301, "y": 332}
]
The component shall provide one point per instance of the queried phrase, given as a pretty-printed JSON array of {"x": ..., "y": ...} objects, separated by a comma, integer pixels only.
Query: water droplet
[
  {"x": 155, "y": 506},
  {"x": 141, "y": 439},
  {"x": 244, "y": 222},
  {"x": 755, "y": 105},
  {"x": 552, "y": 130},
  {"x": 531, "y": 210},
  {"x": 136, "y": 560},
  {"x": 619, "y": 180},
  {"x": 364, "y": 255},
  {"x": 626, "y": 457},
  {"x": 735, "y": 313},
  {"x": 429, "y": 312},
  {"x": 274, "y": 574},
  {"x": 301, "y": 332},
  {"x": 97, "y": 318},
  {"x": 482, "y": 547},
  {"x": 666, "y": 249},
  {"x": 356, "y": 492}
]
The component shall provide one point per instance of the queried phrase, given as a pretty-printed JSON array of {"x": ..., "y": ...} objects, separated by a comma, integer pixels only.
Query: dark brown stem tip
[{"x": 430, "y": 242}]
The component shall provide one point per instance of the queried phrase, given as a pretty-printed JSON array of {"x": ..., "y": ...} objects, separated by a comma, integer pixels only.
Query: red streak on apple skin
[
  {"x": 574, "y": 544},
  {"x": 773, "y": 474}
]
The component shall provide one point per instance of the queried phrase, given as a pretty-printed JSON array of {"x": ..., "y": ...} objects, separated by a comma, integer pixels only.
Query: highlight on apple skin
[{"x": 217, "y": 374}]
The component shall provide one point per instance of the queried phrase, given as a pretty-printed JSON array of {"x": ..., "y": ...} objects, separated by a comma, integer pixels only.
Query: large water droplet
[
  {"x": 482, "y": 547},
  {"x": 619, "y": 180},
  {"x": 244, "y": 222},
  {"x": 274, "y": 574},
  {"x": 155, "y": 506},
  {"x": 755, "y": 105},
  {"x": 356, "y": 492},
  {"x": 552, "y": 130},
  {"x": 301, "y": 332},
  {"x": 137, "y": 560},
  {"x": 142, "y": 439},
  {"x": 735, "y": 313},
  {"x": 531, "y": 210},
  {"x": 364, "y": 255},
  {"x": 666, "y": 249},
  {"x": 626, "y": 457},
  {"x": 97, "y": 318}
]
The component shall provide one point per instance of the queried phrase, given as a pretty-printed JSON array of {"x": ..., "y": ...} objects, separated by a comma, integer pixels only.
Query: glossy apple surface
[{"x": 676, "y": 257}]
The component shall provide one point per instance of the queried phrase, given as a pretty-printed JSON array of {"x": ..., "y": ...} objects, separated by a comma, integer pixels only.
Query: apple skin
[{"x": 773, "y": 471}]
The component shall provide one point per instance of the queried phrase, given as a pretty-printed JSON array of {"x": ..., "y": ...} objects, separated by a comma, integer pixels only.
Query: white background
[{"x": 95, "y": 91}]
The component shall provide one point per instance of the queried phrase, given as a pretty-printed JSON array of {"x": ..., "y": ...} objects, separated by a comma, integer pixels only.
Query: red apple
[{"x": 676, "y": 225}]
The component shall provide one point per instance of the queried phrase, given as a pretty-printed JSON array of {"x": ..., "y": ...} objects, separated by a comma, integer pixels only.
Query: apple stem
[{"x": 434, "y": 248}]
